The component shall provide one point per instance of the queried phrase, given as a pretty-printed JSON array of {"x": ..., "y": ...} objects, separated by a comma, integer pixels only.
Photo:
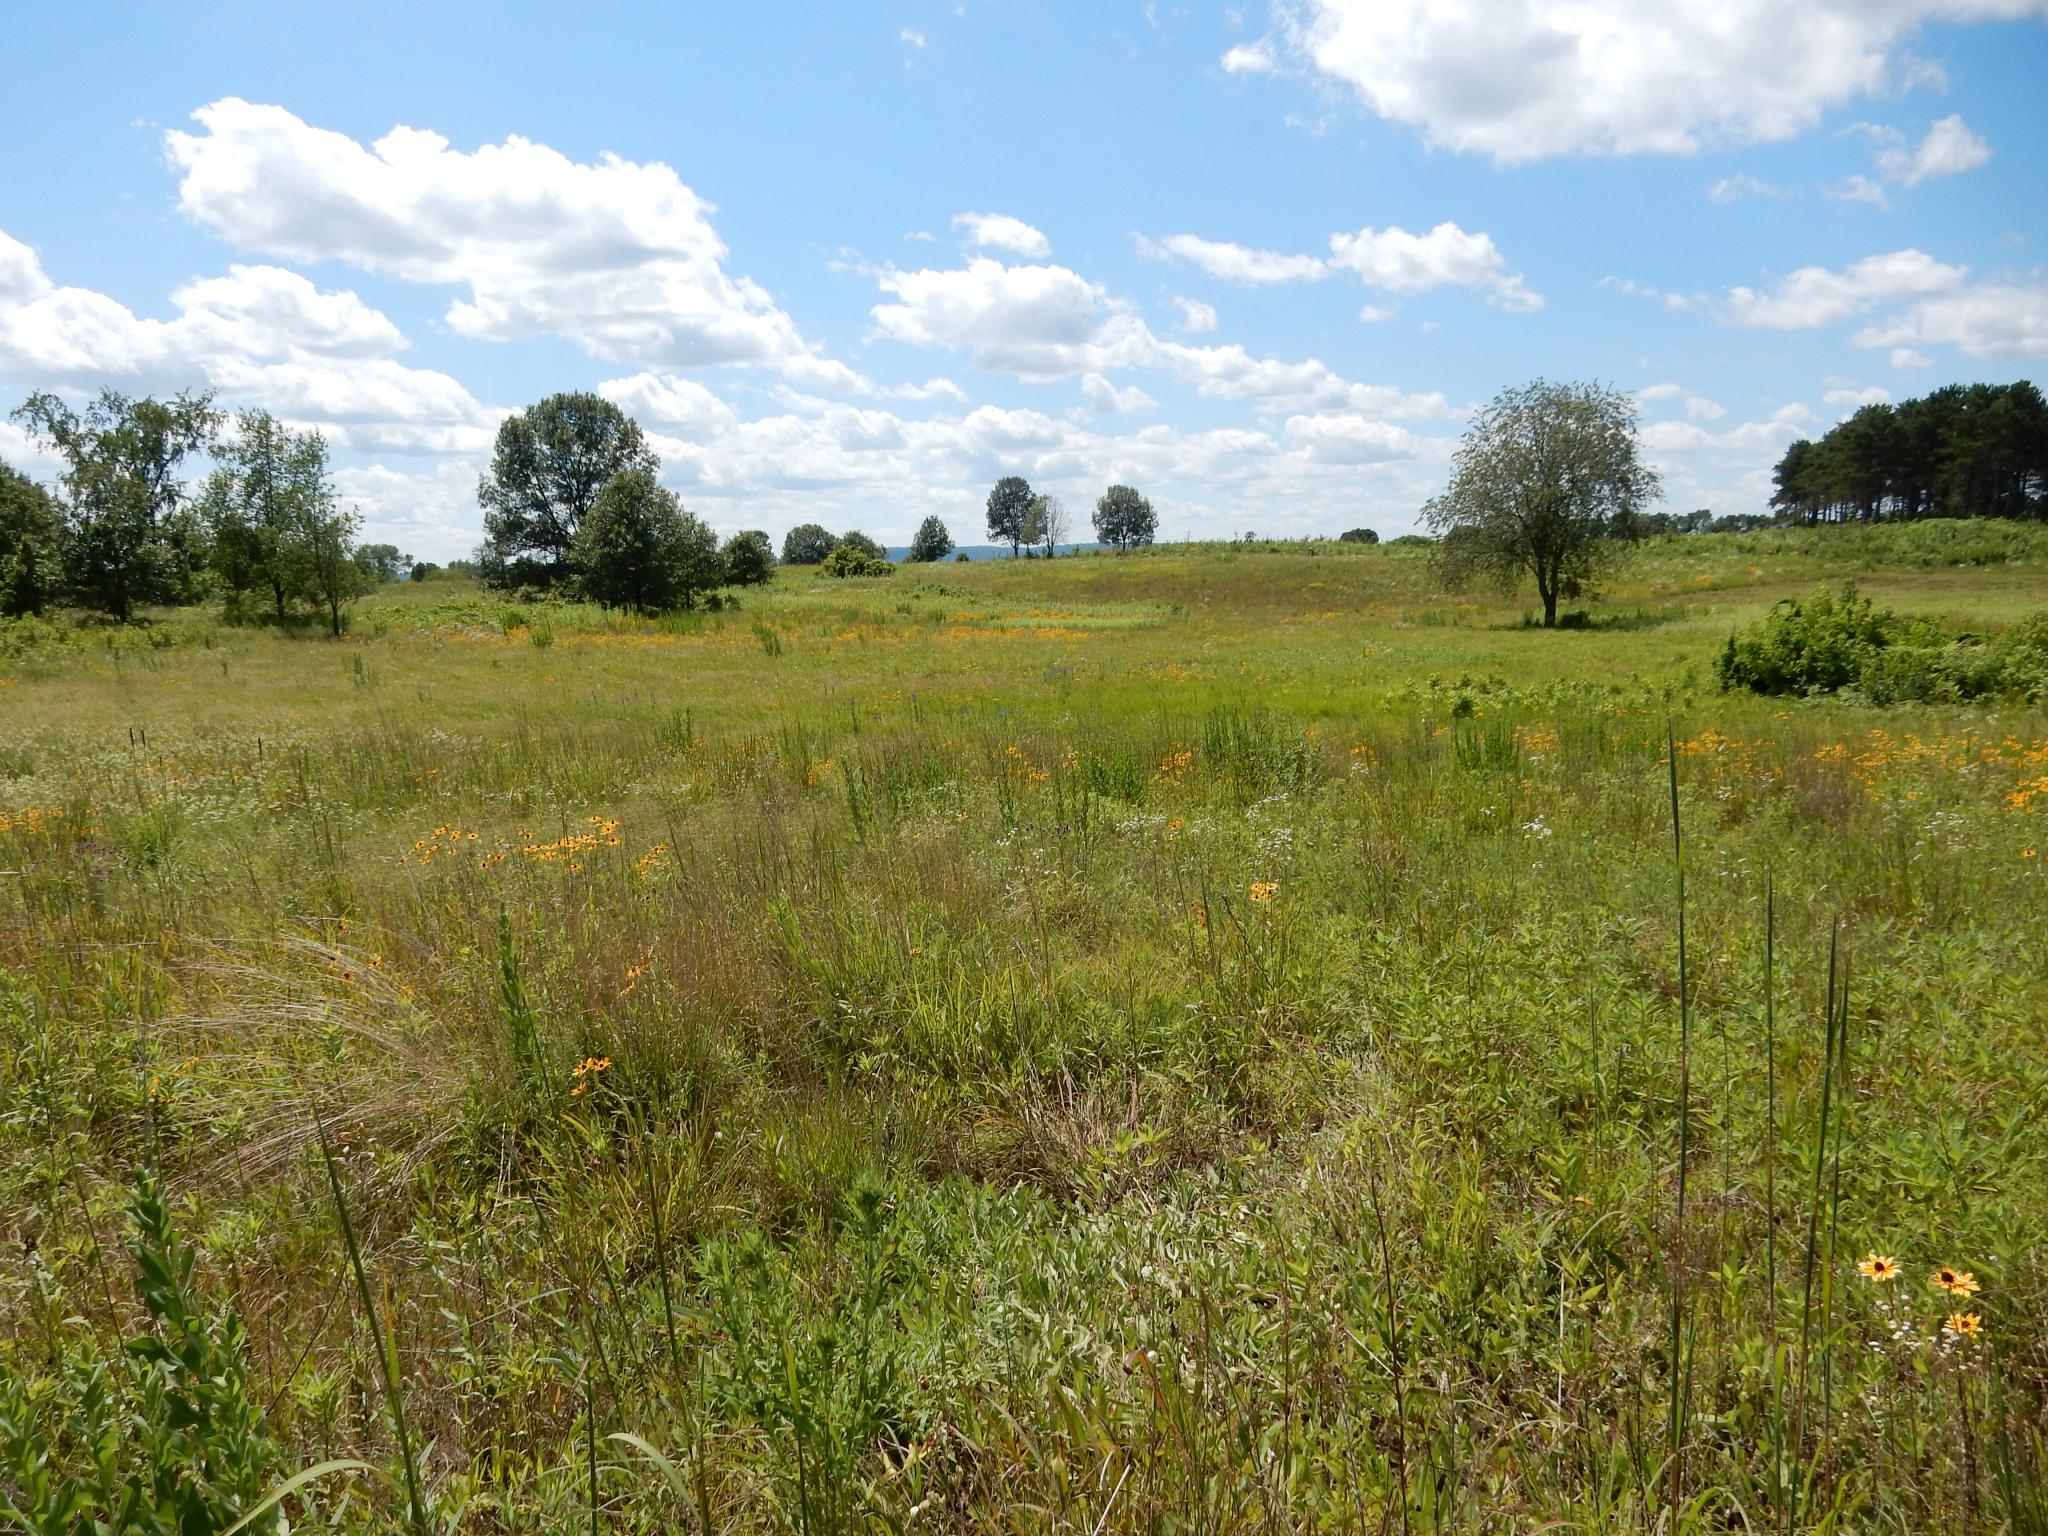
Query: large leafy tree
[
  {"x": 264, "y": 501},
  {"x": 130, "y": 539},
  {"x": 550, "y": 463},
  {"x": 1124, "y": 519},
  {"x": 931, "y": 542},
  {"x": 749, "y": 559},
  {"x": 1009, "y": 511},
  {"x": 1546, "y": 483},
  {"x": 807, "y": 544},
  {"x": 637, "y": 548},
  {"x": 31, "y": 546}
]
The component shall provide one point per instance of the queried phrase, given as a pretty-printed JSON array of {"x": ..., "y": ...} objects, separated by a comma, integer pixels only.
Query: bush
[
  {"x": 1827, "y": 643},
  {"x": 849, "y": 561}
]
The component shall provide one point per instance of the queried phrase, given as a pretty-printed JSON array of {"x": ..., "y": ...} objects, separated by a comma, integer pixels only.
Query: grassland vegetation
[{"x": 1192, "y": 1040}]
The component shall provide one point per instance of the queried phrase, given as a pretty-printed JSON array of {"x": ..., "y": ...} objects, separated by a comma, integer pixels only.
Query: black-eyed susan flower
[
  {"x": 1962, "y": 1325},
  {"x": 1879, "y": 1267},
  {"x": 1957, "y": 1282}
]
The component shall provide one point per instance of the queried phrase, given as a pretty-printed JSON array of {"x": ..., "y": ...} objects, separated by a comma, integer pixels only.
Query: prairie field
[{"x": 1219, "y": 1039}]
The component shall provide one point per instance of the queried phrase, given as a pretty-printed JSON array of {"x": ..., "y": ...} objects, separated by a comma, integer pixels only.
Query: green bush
[
  {"x": 849, "y": 560},
  {"x": 1827, "y": 643}
]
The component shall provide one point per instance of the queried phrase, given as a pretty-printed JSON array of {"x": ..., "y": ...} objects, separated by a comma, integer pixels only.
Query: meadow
[{"x": 1211, "y": 1040}]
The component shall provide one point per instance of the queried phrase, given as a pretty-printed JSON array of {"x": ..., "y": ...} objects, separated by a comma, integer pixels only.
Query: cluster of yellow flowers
[
  {"x": 1264, "y": 890},
  {"x": 1882, "y": 1269},
  {"x": 1176, "y": 763},
  {"x": 1033, "y": 774},
  {"x": 440, "y": 842},
  {"x": 586, "y": 1072},
  {"x": 1536, "y": 741}
]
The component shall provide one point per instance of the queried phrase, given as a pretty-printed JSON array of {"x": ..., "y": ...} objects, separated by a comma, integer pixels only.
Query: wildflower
[
  {"x": 1962, "y": 1325},
  {"x": 1263, "y": 890},
  {"x": 1878, "y": 1267},
  {"x": 586, "y": 1073},
  {"x": 1957, "y": 1282}
]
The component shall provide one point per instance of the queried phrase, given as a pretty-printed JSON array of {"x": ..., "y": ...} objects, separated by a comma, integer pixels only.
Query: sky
[{"x": 851, "y": 263}]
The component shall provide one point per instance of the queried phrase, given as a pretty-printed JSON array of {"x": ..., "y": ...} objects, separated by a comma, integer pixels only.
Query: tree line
[
  {"x": 264, "y": 530},
  {"x": 1969, "y": 450}
]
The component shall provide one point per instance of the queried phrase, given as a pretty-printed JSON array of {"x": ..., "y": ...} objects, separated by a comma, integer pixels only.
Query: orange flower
[
  {"x": 1263, "y": 890},
  {"x": 1878, "y": 1267},
  {"x": 1963, "y": 1325}
]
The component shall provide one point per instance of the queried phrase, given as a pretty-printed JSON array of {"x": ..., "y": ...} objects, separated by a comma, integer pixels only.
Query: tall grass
[{"x": 1043, "y": 1060}]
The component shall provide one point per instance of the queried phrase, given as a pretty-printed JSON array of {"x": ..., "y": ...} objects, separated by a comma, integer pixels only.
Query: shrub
[
  {"x": 849, "y": 561},
  {"x": 1826, "y": 643}
]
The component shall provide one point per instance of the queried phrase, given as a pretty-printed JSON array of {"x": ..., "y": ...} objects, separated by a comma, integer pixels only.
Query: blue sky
[{"x": 851, "y": 263}]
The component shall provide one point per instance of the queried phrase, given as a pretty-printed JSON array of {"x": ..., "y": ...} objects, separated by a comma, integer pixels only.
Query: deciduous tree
[
  {"x": 806, "y": 544},
  {"x": 31, "y": 547},
  {"x": 129, "y": 537},
  {"x": 1124, "y": 519},
  {"x": 931, "y": 542},
  {"x": 637, "y": 548},
  {"x": 1546, "y": 483},
  {"x": 550, "y": 462},
  {"x": 1009, "y": 504}
]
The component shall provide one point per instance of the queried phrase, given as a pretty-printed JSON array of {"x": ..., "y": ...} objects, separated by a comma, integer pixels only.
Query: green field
[{"x": 1191, "y": 1041}]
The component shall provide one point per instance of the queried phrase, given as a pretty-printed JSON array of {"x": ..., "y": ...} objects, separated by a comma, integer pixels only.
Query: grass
[{"x": 1189, "y": 1041}]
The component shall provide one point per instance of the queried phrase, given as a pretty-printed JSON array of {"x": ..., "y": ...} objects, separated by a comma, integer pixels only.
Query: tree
[
  {"x": 31, "y": 546},
  {"x": 1124, "y": 519},
  {"x": 1048, "y": 525},
  {"x": 128, "y": 538},
  {"x": 1547, "y": 483},
  {"x": 262, "y": 503},
  {"x": 637, "y": 548},
  {"x": 550, "y": 463},
  {"x": 859, "y": 542},
  {"x": 1358, "y": 536},
  {"x": 335, "y": 573},
  {"x": 806, "y": 544},
  {"x": 932, "y": 542},
  {"x": 749, "y": 559},
  {"x": 384, "y": 562},
  {"x": 1009, "y": 504}
]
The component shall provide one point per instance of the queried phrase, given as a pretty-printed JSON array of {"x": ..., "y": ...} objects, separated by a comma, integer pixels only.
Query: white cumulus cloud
[
  {"x": 1001, "y": 232},
  {"x": 616, "y": 256},
  {"x": 1521, "y": 80}
]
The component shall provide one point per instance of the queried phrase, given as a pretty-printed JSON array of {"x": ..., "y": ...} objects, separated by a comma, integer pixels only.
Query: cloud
[
  {"x": 1857, "y": 189},
  {"x": 1401, "y": 262},
  {"x": 912, "y": 38},
  {"x": 1662, "y": 439},
  {"x": 1255, "y": 58},
  {"x": 1033, "y": 321},
  {"x": 259, "y": 335},
  {"x": 1873, "y": 394},
  {"x": 1729, "y": 189},
  {"x": 1234, "y": 263},
  {"x": 1949, "y": 149},
  {"x": 1521, "y": 80},
  {"x": 1700, "y": 408},
  {"x": 1988, "y": 319},
  {"x": 1677, "y": 302},
  {"x": 1906, "y": 357},
  {"x": 1105, "y": 396},
  {"x": 1815, "y": 296},
  {"x": 618, "y": 257},
  {"x": 1348, "y": 439},
  {"x": 1651, "y": 392},
  {"x": 1000, "y": 232},
  {"x": 1195, "y": 316},
  {"x": 1392, "y": 259}
]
